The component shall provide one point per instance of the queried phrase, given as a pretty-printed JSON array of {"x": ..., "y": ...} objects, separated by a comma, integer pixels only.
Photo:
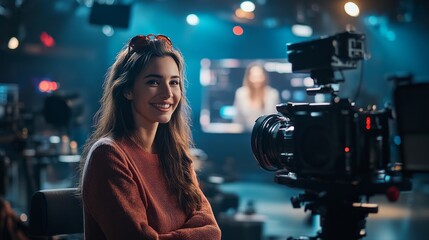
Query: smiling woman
[{"x": 137, "y": 174}]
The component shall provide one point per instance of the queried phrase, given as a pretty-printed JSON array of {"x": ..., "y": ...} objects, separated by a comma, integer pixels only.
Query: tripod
[
  {"x": 339, "y": 218},
  {"x": 342, "y": 213}
]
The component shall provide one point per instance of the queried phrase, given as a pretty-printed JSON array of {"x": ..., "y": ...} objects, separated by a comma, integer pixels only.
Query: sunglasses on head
[{"x": 138, "y": 42}]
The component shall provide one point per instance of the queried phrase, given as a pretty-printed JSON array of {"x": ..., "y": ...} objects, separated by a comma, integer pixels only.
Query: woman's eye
[
  {"x": 152, "y": 83},
  {"x": 174, "y": 82}
]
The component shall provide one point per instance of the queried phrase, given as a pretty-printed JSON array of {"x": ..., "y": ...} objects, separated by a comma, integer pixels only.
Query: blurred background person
[{"x": 255, "y": 97}]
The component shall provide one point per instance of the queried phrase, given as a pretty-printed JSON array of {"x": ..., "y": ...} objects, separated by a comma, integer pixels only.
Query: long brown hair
[{"x": 173, "y": 139}]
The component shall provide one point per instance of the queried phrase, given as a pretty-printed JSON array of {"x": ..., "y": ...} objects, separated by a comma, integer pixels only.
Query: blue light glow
[
  {"x": 227, "y": 112},
  {"x": 192, "y": 19},
  {"x": 299, "y": 95},
  {"x": 397, "y": 140}
]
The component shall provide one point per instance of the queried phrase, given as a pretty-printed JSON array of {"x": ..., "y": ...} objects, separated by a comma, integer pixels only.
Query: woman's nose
[{"x": 166, "y": 91}]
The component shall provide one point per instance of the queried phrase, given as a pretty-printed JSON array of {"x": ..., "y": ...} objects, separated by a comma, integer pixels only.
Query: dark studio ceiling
[{"x": 30, "y": 17}]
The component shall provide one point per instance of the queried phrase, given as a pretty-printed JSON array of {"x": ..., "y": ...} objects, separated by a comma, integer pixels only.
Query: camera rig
[
  {"x": 334, "y": 151},
  {"x": 322, "y": 57}
]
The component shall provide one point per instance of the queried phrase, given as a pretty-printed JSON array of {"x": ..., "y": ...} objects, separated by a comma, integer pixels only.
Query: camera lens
[{"x": 272, "y": 142}]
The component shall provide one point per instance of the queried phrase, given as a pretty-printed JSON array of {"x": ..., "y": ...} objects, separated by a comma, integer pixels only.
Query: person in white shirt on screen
[{"x": 255, "y": 97}]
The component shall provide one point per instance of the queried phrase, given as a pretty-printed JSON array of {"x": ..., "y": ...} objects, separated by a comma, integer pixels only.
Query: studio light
[{"x": 352, "y": 9}]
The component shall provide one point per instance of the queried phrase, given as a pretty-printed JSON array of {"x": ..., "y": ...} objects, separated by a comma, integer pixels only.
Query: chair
[{"x": 55, "y": 212}]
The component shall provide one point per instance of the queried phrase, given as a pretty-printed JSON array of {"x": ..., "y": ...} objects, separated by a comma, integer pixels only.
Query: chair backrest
[{"x": 56, "y": 212}]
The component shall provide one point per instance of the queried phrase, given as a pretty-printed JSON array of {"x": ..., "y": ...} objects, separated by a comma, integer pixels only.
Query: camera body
[{"x": 332, "y": 141}]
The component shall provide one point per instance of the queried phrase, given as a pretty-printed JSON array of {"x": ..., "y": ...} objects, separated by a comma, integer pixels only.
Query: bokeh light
[
  {"x": 237, "y": 30},
  {"x": 192, "y": 19},
  {"x": 352, "y": 9}
]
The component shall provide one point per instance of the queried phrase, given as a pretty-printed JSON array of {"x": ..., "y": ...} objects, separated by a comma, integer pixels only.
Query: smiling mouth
[{"x": 162, "y": 106}]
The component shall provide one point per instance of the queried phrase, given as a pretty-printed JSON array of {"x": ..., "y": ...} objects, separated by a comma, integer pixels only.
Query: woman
[
  {"x": 255, "y": 97},
  {"x": 138, "y": 181}
]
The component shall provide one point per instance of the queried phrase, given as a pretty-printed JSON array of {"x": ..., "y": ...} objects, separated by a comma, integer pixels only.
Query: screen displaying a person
[
  {"x": 138, "y": 179},
  {"x": 255, "y": 97}
]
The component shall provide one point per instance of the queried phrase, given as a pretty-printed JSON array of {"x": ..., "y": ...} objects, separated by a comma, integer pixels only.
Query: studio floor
[{"x": 405, "y": 219}]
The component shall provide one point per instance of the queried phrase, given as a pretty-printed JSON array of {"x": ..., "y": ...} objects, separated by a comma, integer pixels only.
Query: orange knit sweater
[{"x": 125, "y": 196}]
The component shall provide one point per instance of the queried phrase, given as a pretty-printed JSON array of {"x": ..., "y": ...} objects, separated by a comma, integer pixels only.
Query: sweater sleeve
[
  {"x": 201, "y": 224},
  {"x": 112, "y": 198}
]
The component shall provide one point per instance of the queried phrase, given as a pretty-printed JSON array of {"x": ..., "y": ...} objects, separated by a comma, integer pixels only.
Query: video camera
[
  {"x": 334, "y": 141},
  {"x": 335, "y": 151}
]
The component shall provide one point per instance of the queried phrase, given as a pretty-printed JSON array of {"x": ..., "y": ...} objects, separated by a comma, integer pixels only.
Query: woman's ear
[{"x": 128, "y": 94}]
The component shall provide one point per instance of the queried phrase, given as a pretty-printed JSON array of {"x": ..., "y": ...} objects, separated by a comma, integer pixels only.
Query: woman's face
[
  {"x": 256, "y": 77},
  {"x": 156, "y": 92}
]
